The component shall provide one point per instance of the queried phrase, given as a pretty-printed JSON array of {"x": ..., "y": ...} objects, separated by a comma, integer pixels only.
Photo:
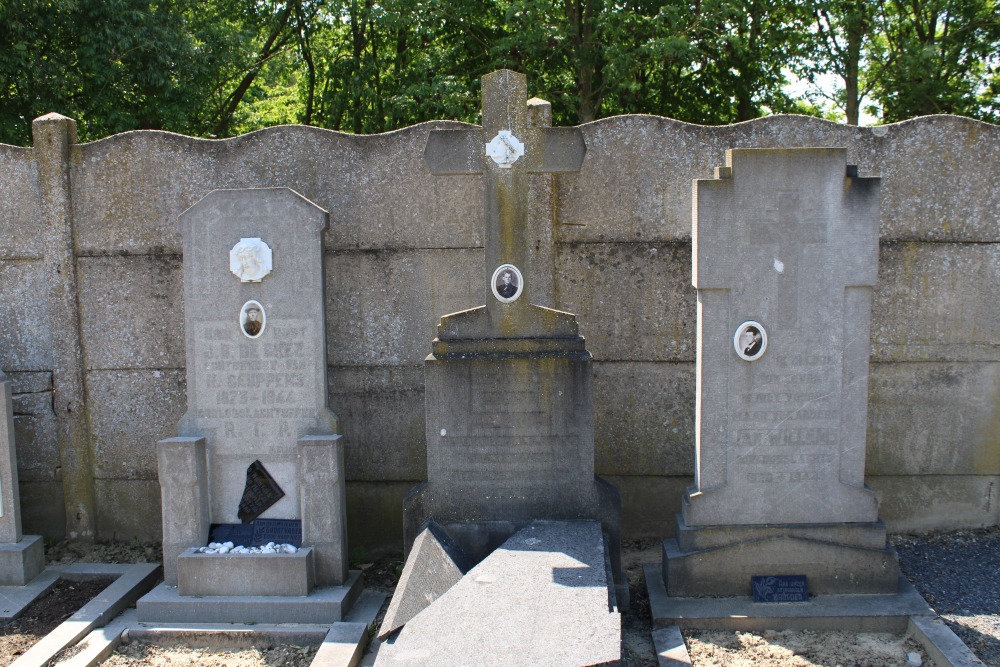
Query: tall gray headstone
[
  {"x": 22, "y": 557},
  {"x": 256, "y": 388},
  {"x": 508, "y": 394},
  {"x": 785, "y": 256}
]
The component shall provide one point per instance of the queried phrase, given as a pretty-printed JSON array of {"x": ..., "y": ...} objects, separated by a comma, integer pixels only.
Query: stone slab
[
  {"x": 94, "y": 649},
  {"x": 856, "y": 613},
  {"x": 671, "y": 651},
  {"x": 697, "y": 538},
  {"x": 10, "y": 502},
  {"x": 942, "y": 645},
  {"x": 250, "y": 575},
  {"x": 435, "y": 564},
  {"x": 830, "y": 568},
  {"x": 226, "y": 635},
  {"x": 343, "y": 646},
  {"x": 14, "y": 599},
  {"x": 541, "y": 599},
  {"x": 164, "y": 604},
  {"x": 132, "y": 582},
  {"x": 22, "y": 561}
]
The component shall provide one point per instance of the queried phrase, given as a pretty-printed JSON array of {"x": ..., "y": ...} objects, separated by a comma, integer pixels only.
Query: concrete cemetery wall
[{"x": 91, "y": 328}]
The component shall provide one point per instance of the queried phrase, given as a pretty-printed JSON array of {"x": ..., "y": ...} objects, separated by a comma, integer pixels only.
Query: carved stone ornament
[
  {"x": 505, "y": 149},
  {"x": 250, "y": 260},
  {"x": 750, "y": 341}
]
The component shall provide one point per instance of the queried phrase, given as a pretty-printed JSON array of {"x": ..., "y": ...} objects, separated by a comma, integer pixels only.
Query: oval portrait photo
[
  {"x": 252, "y": 319},
  {"x": 507, "y": 283},
  {"x": 750, "y": 341}
]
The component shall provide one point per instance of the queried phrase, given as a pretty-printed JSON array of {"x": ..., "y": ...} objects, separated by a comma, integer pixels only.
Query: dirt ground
[{"x": 45, "y": 614}]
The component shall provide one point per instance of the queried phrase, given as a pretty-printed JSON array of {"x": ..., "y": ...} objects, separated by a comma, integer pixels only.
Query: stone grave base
[
  {"x": 20, "y": 562},
  {"x": 543, "y": 598},
  {"x": 889, "y": 612},
  {"x": 496, "y": 523},
  {"x": 836, "y": 558},
  {"x": 328, "y": 604},
  {"x": 246, "y": 574}
]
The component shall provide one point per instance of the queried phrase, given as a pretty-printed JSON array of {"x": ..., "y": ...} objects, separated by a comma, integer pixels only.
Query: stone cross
[
  {"x": 781, "y": 438},
  {"x": 789, "y": 234},
  {"x": 505, "y": 150}
]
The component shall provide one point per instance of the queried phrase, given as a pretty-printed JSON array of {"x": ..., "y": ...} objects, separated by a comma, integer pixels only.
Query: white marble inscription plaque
[
  {"x": 250, "y": 260},
  {"x": 505, "y": 149}
]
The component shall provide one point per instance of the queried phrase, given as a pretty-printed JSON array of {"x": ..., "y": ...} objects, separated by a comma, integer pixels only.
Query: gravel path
[{"x": 958, "y": 573}]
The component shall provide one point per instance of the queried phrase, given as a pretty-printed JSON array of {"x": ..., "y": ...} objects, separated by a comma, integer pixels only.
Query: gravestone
[
  {"x": 22, "y": 557},
  {"x": 258, "y": 439},
  {"x": 508, "y": 396},
  {"x": 785, "y": 255}
]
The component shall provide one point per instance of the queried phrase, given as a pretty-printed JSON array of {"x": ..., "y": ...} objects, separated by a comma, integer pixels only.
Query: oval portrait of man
[
  {"x": 507, "y": 283},
  {"x": 750, "y": 341},
  {"x": 252, "y": 319}
]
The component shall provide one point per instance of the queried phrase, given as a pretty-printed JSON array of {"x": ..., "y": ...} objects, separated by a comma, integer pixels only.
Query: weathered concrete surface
[
  {"x": 363, "y": 179},
  {"x": 927, "y": 418},
  {"x": 393, "y": 225},
  {"x": 935, "y": 302},
  {"x": 923, "y": 503},
  {"x": 634, "y": 301},
  {"x": 25, "y": 317},
  {"x": 140, "y": 299},
  {"x": 657, "y": 438},
  {"x": 246, "y": 575},
  {"x": 540, "y": 599},
  {"x": 385, "y": 305},
  {"x": 132, "y": 410}
]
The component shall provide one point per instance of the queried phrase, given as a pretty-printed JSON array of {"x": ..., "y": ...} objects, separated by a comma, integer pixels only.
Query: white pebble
[
  {"x": 914, "y": 659},
  {"x": 228, "y": 545},
  {"x": 290, "y": 548},
  {"x": 224, "y": 549}
]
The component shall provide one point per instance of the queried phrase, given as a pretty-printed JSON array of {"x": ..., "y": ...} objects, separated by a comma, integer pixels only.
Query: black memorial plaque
[
  {"x": 240, "y": 534},
  {"x": 279, "y": 531},
  {"x": 260, "y": 492},
  {"x": 780, "y": 588}
]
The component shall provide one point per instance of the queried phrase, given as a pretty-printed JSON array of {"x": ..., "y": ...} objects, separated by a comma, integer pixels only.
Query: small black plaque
[
  {"x": 240, "y": 534},
  {"x": 780, "y": 588},
  {"x": 279, "y": 531},
  {"x": 260, "y": 492}
]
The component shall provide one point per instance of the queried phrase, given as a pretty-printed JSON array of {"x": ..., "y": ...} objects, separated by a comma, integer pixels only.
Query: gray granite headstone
[
  {"x": 256, "y": 377},
  {"x": 785, "y": 255},
  {"x": 508, "y": 395}
]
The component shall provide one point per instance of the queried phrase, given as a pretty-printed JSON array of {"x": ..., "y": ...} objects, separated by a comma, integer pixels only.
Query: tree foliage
[{"x": 231, "y": 66}]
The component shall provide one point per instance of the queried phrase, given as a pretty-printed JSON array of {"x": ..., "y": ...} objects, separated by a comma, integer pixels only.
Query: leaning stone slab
[
  {"x": 541, "y": 599},
  {"x": 435, "y": 564}
]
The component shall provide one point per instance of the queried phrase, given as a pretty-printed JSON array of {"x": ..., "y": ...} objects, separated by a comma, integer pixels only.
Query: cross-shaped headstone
[
  {"x": 505, "y": 150},
  {"x": 790, "y": 235}
]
